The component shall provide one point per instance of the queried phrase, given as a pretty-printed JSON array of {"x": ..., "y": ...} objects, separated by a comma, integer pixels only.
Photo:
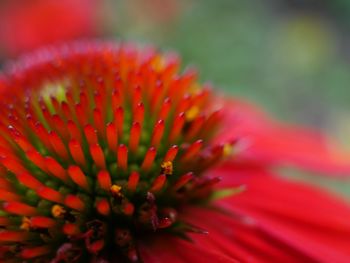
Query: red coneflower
[
  {"x": 26, "y": 25},
  {"x": 108, "y": 154}
]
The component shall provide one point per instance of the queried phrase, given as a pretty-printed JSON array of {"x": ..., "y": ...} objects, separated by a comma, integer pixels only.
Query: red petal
[
  {"x": 74, "y": 202},
  {"x": 50, "y": 194},
  {"x": 104, "y": 180},
  {"x": 33, "y": 252},
  {"x": 8, "y": 196},
  {"x": 78, "y": 177},
  {"x": 13, "y": 236},
  {"x": 19, "y": 208},
  {"x": 299, "y": 216},
  {"x": 103, "y": 207},
  {"x": 70, "y": 229},
  {"x": 269, "y": 142},
  {"x": 238, "y": 237}
]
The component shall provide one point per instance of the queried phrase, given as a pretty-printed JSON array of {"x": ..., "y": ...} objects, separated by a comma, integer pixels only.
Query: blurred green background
[{"x": 291, "y": 57}]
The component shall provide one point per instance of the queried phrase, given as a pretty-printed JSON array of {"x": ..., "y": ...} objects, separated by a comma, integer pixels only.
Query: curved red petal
[
  {"x": 299, "y": 216},
  {"x": 266, "y": 141},
  {"x": 237, "y": 236}
]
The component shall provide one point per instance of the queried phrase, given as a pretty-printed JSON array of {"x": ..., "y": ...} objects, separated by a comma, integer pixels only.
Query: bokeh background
[{"x": 292, "y": 57}]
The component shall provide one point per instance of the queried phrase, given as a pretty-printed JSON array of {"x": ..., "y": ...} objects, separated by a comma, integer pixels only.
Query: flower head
[
  {"x": 108, "y": 154},
  {"x": 102, "y": 144}
]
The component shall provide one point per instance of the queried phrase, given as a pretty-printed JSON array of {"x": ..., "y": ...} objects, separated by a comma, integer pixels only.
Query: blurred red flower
[
  {"x": 26, "y": 25},
  {"x": 109, "y": 154}
]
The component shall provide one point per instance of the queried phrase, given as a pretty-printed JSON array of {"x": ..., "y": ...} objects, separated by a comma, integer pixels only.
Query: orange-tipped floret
[{"x": 100, "y": 138}]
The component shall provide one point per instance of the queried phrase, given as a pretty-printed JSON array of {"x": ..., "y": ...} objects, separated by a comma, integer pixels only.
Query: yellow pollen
[
  {"x": 58, "y": 211},
  {"x": 228, "y": 150},
  {"x": 26, "y": 224},
  {"x": 115, "y": 189},
  {"x": 167, "y": 168},
  {"x": 192, "y": 113}
]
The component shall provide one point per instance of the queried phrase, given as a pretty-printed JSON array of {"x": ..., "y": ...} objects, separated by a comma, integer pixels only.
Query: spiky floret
[{"x": 100, "y": 144}]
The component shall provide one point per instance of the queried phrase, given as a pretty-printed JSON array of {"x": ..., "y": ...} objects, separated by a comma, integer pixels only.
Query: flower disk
[{"x": 100, "y": 144}]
